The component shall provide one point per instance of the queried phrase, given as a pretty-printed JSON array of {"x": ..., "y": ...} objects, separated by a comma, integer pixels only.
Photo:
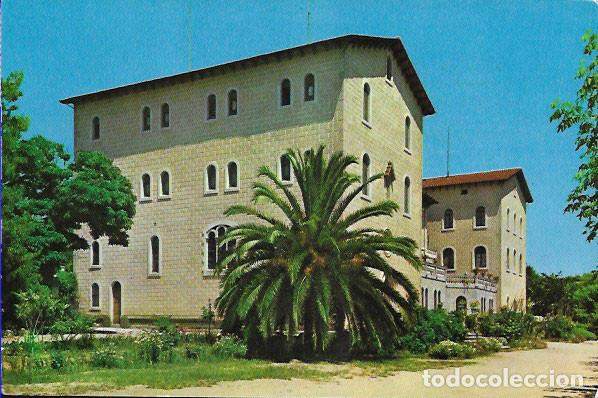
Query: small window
[
  {"x": 285, "y": 92},
  {"x": 146, "y": 186},
  {"x": 309, "y": 88},
  {"x": 508, "y": 260},
  {"x": 165, "y": 116},
  {"x": 95, "y": 295},
  {"x": 480, "y": 257},
  {"x": 521, "y": 227},
  {"x": 514, "y": 260},
  {"x": 95, "y": 254},
  {"x": 232, "y": 102},
  {"x": 211, "y": 107},
  {"x": 514, "y": 223},
  {"x": 407, "y": 198},
  {"x": 407, "y": 133},
  {"x": 232, "y": 175},
  {"x": 365, "y": 174},
  {"x": 165, "y": 183},
  {"x": 95, "y": 128},
  {"x": 520, "y": 264},
  {"x": 426, "y": 297},
  {"x": 366, "y": 102},
  {"x": 212, "y": 178},
  {"x": 155, "y": 255},
  {"x": 146, "y": 117},
  {"x": 480, "y": 217},
  {"x": 389, "y": 68},
  {"x": 448, "y": 220},
  {"x": 448, "y": 258},
  {"x": 215, "y": 252},
  {"x": 508, "y": 219},
  {"x": 285, "y": 168}
]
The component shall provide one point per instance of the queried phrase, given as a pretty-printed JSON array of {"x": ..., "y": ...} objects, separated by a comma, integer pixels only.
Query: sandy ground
[{"x": 561, "y": 358}]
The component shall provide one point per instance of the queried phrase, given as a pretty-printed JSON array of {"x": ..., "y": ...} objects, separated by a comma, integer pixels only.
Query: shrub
[
  {"x": 489, "y": 344},
  {"x": 449, "y": 349},
  {"x": 197, "y": 351},
  {"x": 103, "y": 320},
  {"x": 509, "y": 324},
  {"x": 124, "y": 322},
  {"x": 431, "y": 327},
  {"x": 106, "y": 356},
  {"x": 68, "y": 328},
  {"x": 165, "y": 324},
  {"x": 57, "y": 360},
  {"x": 230, "y": 347},
  {"x": 580, "y": 333},
  {"x": 558, "y": 327},
  {"x": 156, "y": 346}
]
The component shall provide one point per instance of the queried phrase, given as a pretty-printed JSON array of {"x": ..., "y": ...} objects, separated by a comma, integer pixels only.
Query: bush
[
  {"x": 103, "y": 320},
  {"x": 487, "y": 345},
  {"x": 431, "y": 327},
  {"x": 230, "y": 347},
  {"x": 449, "y": 349},
  {"x": 156, "y": 347},
  {"x": 57, "y": 360},
  {"x": 106, "y": 356},
  {"x": 509, "y": 324},
  {"x": 124, "y": 322},
  {"x": 68, "y": 328},
  {"x": 558, "y": 328}
]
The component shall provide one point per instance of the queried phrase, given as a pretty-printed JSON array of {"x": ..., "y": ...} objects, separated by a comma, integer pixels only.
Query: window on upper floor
[
  {"x": 95, "y": 128},
  {"x": 366, "y": 102},
  {"x": 95, "y": 295},
  {"x": 211, "y": 179},
  {"x": 508, "y": 219},
  {"x": 309, "y": 87},
  {"x": 155, "y": 257},
  {"x": 521, "y": 265},
  {"x": 146, "y": 186},
  {"x": 165, "y": 116},
  {"x": 211, "y": 107},
  {"x": 448, "y": 258},
  {"x": 480, "y": 217},
  {"x": 514, "y": 223},
  {"x": 232, "y": 103},
  {"x": 232, "y": 176},
  {"x": 388, "y": 68},
  {"x": 285, "y": 92},
  {"x": 365, "y": 174},
  {"x": 146, "y": 119},
  {"x": 508, "y": 260},
  {"x": 521, "y": 227},
  {"x": 448, "y": 221},
  {"x": 95, "y": 254},
  {"x": 407, "y": 197},
  {"x": 408, "y": 133},
  {"x": 480, "y": 257},
  {"x": 165, "y": 184},
  {"x": 284, "y": 168}
]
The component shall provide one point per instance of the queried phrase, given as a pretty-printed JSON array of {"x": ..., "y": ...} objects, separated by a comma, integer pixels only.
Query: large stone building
[{"x": 191, "y": 145}]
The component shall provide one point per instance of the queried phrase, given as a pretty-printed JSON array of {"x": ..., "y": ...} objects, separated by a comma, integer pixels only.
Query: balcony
[{"x": 483, "y": 282}]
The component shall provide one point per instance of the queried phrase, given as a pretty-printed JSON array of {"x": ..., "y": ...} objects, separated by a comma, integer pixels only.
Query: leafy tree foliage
[
  {"x": 317, "y": 265},
  {"x": 581, "y": 114},
  {"x": 46, "y": 199}
]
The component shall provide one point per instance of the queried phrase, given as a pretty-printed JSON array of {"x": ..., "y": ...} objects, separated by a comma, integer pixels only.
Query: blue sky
[{"x": 490, "y": 68}]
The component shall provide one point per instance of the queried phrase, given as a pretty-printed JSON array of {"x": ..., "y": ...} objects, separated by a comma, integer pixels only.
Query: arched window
[
  {"x": 480, "y": 217},
  {"x": 508, "y": 219},
  {"x": 422, "y": 297},
  {"x": 508, "y": 301},
  {"x": 508, "y": 259},
  {"x": 285, "y": 92},
  {"x": 309, "y": 88},
  {"x": 366, "y": 102},
  {"x": 285, "y": 168},
  {"x": 95, "y": 254},
  {"x": 435, "y": 300},
  {"x": 215, "y": 252},
  {"x": 514, "y": 260},
  {"x": 232, "y": 102},
  {"x": 146, "y": 117},
  {"x": 407, "y": 198},
  {"x": 232, "y": 176},
  {"x": 389, "y": 68},
  {"x": 95, "y": 128},
  {"x": 520, "y": 264},
  {"x": 165, "y": 183},
  {"x": 211, "y": 178},
  {"x": 480, "y": 257},
  {"x": 461, "y": 304},
  {"x": 448, "y": 258},
  {"x": 447, "y": 220},
  {"x": 365, "y": 174},
  {"x": 490, "y": 306},
  {"x": 211, "y": 107},
  {"x": 407, "y": 133},
  {"x": 165, "y": 115},
  {"x": 155, "y": 255},
  {"x": 95, "y": 295},
  {"x": 146, "y": 186},
  {"x": 426, "y": 297},
  {"x": 521, "y": 227},
  {"x": 439, "y": 300},
  {"x": 514, "y": 223}
]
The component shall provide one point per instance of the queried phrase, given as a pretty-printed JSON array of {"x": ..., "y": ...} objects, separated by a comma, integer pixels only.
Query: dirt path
[{"x": 562, "y": 358}]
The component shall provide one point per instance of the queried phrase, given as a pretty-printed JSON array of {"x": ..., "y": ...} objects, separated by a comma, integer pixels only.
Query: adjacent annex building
[{"x": 191, "y": 145}]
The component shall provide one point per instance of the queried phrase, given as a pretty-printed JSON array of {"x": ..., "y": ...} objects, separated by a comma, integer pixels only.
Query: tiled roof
[
  {"x": 395, "y": 44},
  {"x": 484, "y": 176}
]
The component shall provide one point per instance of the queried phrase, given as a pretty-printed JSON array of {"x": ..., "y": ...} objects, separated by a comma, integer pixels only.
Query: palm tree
[{"x": 319, "y": 263}]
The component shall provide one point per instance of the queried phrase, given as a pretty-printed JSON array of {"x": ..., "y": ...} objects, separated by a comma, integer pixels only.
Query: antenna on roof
[
  {"x": 308, "y": 22},
  {"x": 190, "y": 33},
  {"x": 448, "y": 151}
]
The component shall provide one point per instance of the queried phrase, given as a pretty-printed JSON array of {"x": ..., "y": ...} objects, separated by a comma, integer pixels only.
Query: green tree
[
  {"x": 46, "y": 199},
  {"x": 318, "y": 265},
  {"x": 581, "y": 114}
]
